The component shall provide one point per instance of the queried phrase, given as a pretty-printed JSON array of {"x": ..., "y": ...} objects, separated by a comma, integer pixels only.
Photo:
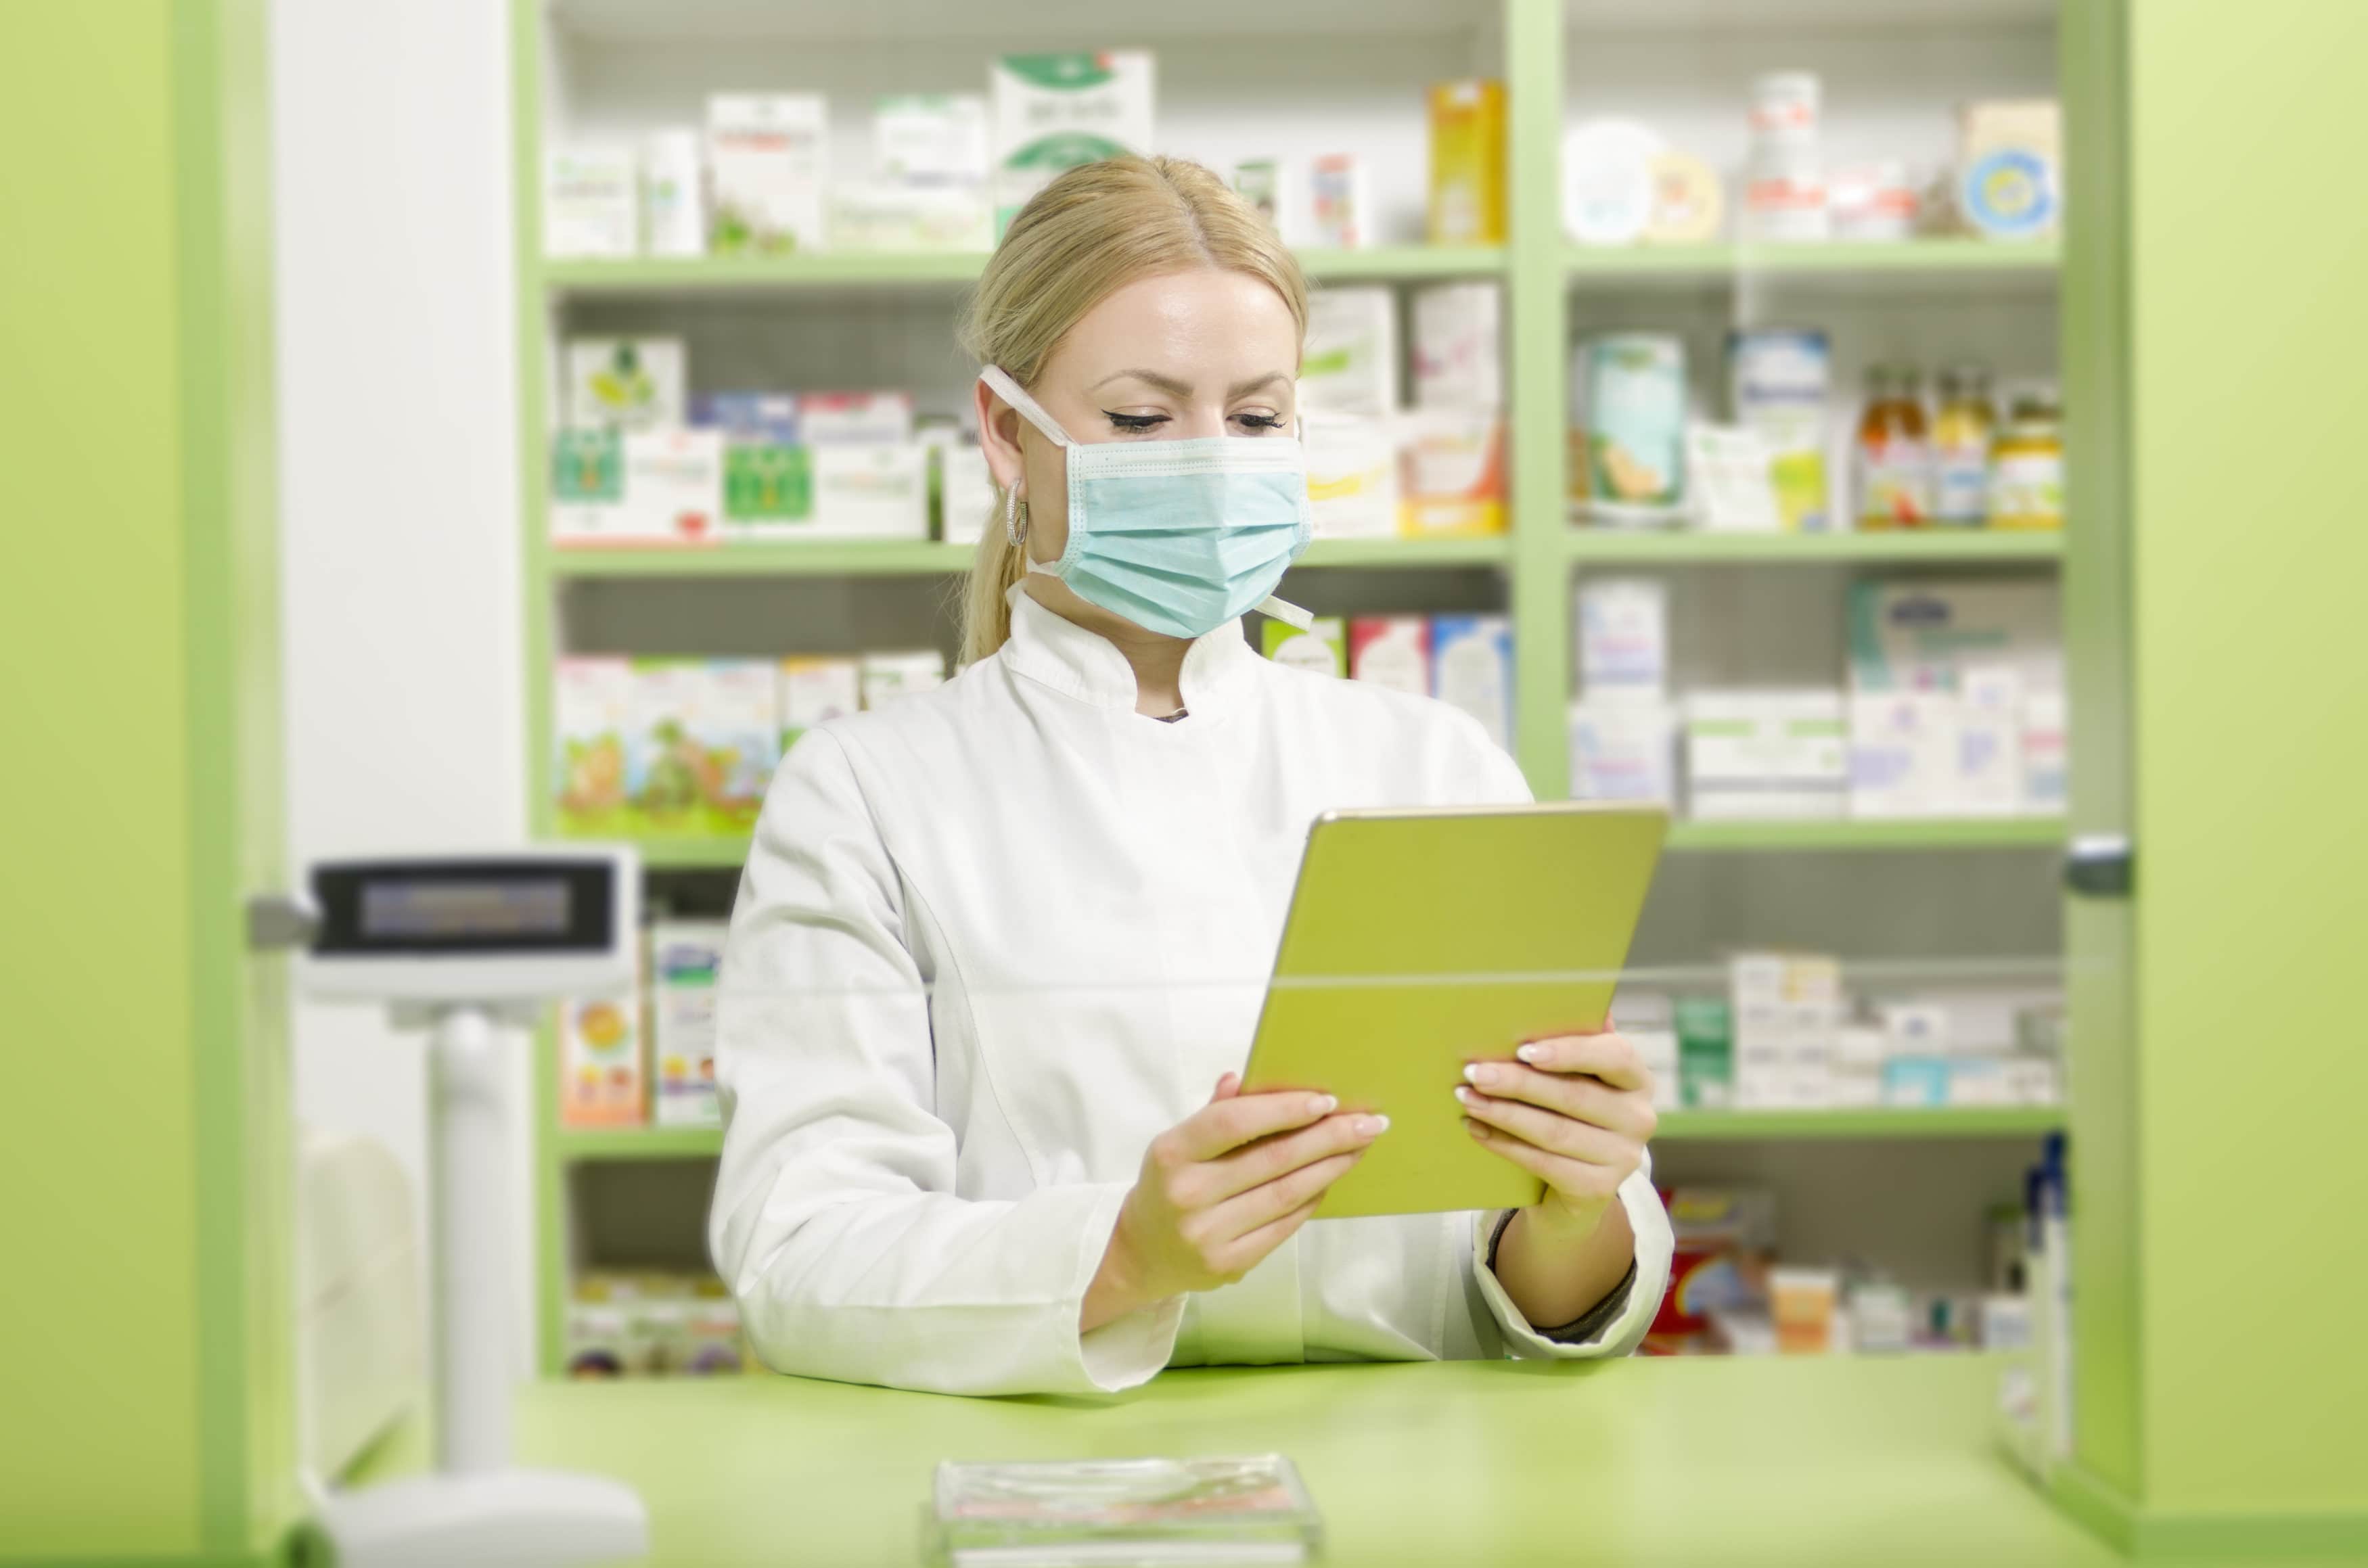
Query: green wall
[
  {"x": 144, "y": 1407},
  {"x": 2249, "y": 315}
]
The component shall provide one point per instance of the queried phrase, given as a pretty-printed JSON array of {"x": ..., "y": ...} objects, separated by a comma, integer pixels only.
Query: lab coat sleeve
[
  {"x": 1649, "y": 1222},
  {"x": 834, "y": 1220}
]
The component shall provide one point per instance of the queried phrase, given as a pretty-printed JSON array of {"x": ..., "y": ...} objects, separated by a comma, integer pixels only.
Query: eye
[
  {"x": 1124, "y": 422},
  {"x": 1259, "y": 421}
]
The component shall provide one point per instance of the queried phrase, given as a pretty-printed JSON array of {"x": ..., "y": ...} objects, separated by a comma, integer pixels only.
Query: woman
[{"x": 995, "y": 942}]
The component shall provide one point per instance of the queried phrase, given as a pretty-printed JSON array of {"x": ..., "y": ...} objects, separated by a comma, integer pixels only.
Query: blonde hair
[{"x": 1095, "y": 229}]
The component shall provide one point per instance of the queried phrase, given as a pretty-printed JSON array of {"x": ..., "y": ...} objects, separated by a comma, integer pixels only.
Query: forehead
[{"x": 1207, "y": 323}]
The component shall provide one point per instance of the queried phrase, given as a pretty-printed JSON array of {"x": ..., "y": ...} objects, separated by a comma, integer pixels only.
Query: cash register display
[{"x": 464, "y": 907}]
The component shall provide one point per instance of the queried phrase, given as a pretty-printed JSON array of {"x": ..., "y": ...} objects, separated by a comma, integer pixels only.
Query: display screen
[
  {"x": 542, "y": 904},
  {"x": 413, "y": 910}
]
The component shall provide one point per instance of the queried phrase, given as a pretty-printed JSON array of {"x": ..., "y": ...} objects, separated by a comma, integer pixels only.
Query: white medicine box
[
  {"x": 768, "y": 172},
  {"x": 635, "y": 383}
]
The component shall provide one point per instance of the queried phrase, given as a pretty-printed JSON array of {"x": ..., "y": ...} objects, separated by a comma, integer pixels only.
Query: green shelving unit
[
  {"x": 1545, "y": 279},
  {"x": 922, "y": 558},
  {"x": 1888, "y": 1123},
  {"x": 1908, "y": 833},
  {"x": 932, "y": 269},
  {"x": 1677, "y": 1126},
  {"x": 1685, "y": 837},
  {"x": 1714, "y": 262},
  {"x": 1904, "y": 547}
]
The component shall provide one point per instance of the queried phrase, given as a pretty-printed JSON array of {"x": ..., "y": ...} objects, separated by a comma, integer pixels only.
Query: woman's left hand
[{"x": 1575, "y": 1110}]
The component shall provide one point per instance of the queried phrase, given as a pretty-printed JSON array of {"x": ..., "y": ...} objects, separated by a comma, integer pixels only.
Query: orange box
[{"x": 1468, "y": 162}]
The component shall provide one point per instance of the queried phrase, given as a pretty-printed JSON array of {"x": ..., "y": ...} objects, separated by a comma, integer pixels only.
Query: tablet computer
[{"x": 1420, "y": 941}]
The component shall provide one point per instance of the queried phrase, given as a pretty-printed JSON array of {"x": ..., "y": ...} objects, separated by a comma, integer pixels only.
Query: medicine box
[
  {"x": 1392, "y": 651},
  {"x": 1902, "y": 754},
  {"x": 673, "y": 193},
  {"x": 886, "y": 677},
  {"x": 686, "y": 965},
  {"x": 1050, "y": 112},
  {"x": 767, "y": 171},
  {"x": 591, "y": 711},
  {"x": 633, "y": 382},
  {"x": 1705, "y": 1051},
  {"x": 931, "y": 139},
  {"x": 686, "y": 751},
  {"x": 1467, "y": 164},
  {"x": 966, "y": 494},
  {"x": 668, "y": 487},
  {"x": 876, "y": 216},
  {"x": 834, "y": 418},
  {"x": 1472, "y": 668},
  {"x": 1451, "y": 468},
  {"x": 1921, "y": 636},
  {"x": 1624, "y": 750},
  {"x": 736, "y": 723},
  {"x": 1765, "y": 755},
  {"x": 1340, "y": 203},
  {"x": 1989, "y": 768},
  {"x": 815, "y": 687},
  {"x": 768, "y": 491},
  {"x": 588, "y": 204},
  {"x": 1352, "y": 477},
  {"x": 601, "y": 1083},
  {"x": 1624, "y": 638},
  {"x": 1351, "y": 365},
  {"x": 2045, "y": 780},
  {"x": 1321, "y": 648},
  {"x": 871, "y": 491},
  {"x": 754, "y": 418},
  {"x": 1459, "y": 360}
]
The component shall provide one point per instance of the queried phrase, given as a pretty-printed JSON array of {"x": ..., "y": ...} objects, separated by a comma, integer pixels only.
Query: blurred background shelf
[
  {"x": 821, "y": 558},
  {"x": 906, "y": 558},
  {"x": 1888, "y": 1123},
  {"x": 2001, "y": 1122},
  {"x": 871, "y": 269},
  {"x": 1954, "y": 832},
  {"x": 580, "y": 1144},
  {"x": 1692, "y": 837},
  {"x": 1710, "y": 262},
  {"x": 1902, "y": 547}
]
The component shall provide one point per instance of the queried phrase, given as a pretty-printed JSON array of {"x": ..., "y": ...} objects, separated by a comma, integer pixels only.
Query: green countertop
[{"x": 1821, "y": 1462}]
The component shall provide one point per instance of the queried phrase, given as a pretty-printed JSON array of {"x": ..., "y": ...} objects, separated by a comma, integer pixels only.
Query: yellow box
[
  {"x": 1451, "y": 480},
  {"x": 1468, "y": 162}
]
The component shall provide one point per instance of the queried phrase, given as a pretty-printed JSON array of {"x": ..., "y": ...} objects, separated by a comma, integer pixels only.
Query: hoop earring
[{"x": 1015, "y": 518}]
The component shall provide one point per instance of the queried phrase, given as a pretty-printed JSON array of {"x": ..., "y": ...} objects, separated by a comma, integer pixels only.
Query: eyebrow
[{"x": 1175, "y": 388}]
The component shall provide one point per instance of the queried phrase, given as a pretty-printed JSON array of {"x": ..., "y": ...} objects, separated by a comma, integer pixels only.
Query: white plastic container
[
  {"x": 673, "y": 193},
  {"x": 1459, "y": 360}
]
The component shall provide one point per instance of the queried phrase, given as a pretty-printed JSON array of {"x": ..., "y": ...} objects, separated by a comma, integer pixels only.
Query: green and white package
[{"x": 1050, "y": 112}]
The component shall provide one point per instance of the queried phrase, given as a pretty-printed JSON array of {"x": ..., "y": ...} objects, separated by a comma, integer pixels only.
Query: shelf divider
[{"x": 1884, "y": 1122}]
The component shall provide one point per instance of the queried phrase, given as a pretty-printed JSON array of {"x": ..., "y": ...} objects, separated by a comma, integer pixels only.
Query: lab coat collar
[{"x": 1058, "y": 653}]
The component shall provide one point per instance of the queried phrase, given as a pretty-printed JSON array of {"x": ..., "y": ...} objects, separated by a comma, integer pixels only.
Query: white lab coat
[{"x": 992, "y": 939}]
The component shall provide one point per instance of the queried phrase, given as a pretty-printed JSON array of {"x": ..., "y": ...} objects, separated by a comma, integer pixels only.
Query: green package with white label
[{"x": 1051, "y": 112}]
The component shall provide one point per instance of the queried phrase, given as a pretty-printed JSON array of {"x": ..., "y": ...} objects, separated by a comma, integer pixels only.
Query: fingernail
[
  {"x": 1466, "y": 1096},
  {"x": 1480, "y": 1073},
  {"x": 1532, "y": 1053},
  {"x": 1323, "y": 1104},
  {"x": 1477, "y": 1130},
  {"x": 1373, "y": 1126}
]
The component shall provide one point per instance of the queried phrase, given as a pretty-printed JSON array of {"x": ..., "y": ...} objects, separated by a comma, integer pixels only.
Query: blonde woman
[{"x": 996, "y": 942}]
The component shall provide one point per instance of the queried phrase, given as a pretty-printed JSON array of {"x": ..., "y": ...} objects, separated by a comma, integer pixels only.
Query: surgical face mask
[{"x": 1179, "y": 537}]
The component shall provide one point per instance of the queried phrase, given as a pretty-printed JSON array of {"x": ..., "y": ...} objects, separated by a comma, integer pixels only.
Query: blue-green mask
[{"x": 1179, "y": 537}]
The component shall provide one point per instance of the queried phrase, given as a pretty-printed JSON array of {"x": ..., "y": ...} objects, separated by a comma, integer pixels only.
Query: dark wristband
[{"x": 1589, "y": 1324}]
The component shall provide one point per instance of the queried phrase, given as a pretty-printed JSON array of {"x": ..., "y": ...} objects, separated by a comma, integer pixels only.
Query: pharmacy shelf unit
[
  {"x": 629, "y": 1143},
  {"x": 1552, "y": 286}
]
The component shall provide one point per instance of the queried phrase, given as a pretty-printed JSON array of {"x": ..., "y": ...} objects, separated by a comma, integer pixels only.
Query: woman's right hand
[{"x": 1219, "y": 1191}]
